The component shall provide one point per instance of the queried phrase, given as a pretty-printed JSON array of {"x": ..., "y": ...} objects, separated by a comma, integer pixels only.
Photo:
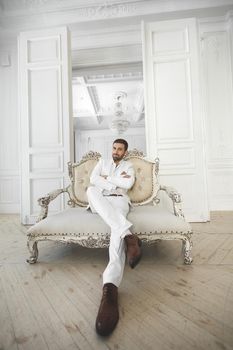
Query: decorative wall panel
[
  {"x": 47, "y": 162},
  {"x": 9, "y": 190},
  {"x": 219, "y": 96},
  {"x": 43, "y": 49},
  {"x": 9, "y": 140},
  {"x": 190, "y": 198},
  {"x": 174, "y": 125},
  {"x": 9, "y": 194},
  {"x": 45, "y": 116},
  {"x": 169, "y": 42},
  {"x": 45, "y": 112},
  {"x": 173, "y": 101},
  {"x": 178, "y": 158},
  {"x": 217, "y": 57},
  {"x": 221, "y": 189}
]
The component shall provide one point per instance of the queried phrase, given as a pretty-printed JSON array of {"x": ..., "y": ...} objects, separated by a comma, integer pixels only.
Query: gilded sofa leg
[
  {"x": 32, "y": 246},
  {"x": 187, "y": 247}
]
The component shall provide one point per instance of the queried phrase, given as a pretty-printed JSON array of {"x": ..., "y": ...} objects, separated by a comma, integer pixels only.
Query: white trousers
[{"x": 113, "y": 210}]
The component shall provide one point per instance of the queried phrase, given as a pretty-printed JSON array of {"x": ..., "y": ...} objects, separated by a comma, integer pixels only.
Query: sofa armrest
[
  {"x": 176, "y": 199},
  {"x": 44, "y": 202}
]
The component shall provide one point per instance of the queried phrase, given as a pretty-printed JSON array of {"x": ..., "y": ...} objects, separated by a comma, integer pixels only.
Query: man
[{"x": 107, "y": 195}]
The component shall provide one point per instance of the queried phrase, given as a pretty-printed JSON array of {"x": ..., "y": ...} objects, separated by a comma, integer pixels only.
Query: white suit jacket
[{"x": 115, "y": 182}]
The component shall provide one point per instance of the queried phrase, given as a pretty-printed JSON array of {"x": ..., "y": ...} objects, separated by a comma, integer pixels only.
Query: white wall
[
  {"x": 217, "y": 59},
  {"x": 217, "y": 63},
  {"x": 101, "y": 141},
  {"x": 9, "y": 155}
]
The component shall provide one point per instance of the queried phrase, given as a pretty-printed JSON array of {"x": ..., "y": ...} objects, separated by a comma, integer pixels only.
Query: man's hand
[{"x": 125, "y": 175}]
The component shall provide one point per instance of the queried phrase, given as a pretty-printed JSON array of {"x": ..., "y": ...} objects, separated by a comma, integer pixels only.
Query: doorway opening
[{"x": 108, "y": 103}]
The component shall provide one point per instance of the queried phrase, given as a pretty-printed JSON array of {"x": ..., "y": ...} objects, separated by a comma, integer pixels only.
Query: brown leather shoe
[
  {"x": 108, "y": 314},
  {"x": 133, "y": 249}
]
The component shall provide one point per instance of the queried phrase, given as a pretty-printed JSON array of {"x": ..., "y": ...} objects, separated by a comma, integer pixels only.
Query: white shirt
[{"x": 115, "y": 183}]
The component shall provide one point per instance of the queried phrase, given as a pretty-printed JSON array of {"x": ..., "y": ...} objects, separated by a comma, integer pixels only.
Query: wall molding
[
  {"x": 102, "y": 36},
  {"x": 90, "y": 10},
  {"x": 217, "y": 59},
  {"x": 9, "y": 156},
  {"x": 105, "y": 37},
  {"x": 9, "y": 193},
  {"x": 221, "y": 189},
  {"x": 107, "y": 56}
]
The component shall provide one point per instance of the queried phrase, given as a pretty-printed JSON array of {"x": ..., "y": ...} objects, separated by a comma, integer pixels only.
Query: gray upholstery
[{"x": 147, "y": 219}]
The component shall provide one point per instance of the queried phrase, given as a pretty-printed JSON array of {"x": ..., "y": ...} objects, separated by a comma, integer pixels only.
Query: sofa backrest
[
  {"x": 146, "y": 183},
  {"x": 143, "y": 191}
]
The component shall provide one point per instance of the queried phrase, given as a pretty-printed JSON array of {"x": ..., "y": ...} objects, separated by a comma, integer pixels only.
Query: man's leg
[
  {"x": 113, "y": 211},
  {"x": 114, "y": 218},
  {"x": 115, "y": 268},
  {"x": 108, "y": 314}
]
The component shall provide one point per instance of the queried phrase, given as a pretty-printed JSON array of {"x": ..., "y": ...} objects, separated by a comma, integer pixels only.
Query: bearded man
[{"x": 107, "y": 196}]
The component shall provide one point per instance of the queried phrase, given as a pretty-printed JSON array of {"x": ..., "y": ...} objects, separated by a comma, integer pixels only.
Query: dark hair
[{"x": 124, "y": 142}]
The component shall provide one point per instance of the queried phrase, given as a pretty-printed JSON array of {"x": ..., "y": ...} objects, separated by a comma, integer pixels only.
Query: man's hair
[{"x": 124, "y": 142}]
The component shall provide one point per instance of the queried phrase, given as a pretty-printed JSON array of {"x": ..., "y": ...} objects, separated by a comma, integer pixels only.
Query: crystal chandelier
[{"x": 119, "y": 122}]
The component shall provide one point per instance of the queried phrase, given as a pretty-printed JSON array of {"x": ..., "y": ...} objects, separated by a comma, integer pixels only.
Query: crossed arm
[{"x": 125, "y": 180}]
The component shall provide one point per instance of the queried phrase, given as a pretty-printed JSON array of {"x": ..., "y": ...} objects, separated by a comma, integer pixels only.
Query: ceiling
[{"x": 95, "y": 96}]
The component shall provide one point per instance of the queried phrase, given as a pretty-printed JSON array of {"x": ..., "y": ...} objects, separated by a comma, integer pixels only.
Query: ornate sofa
[{"x": 151, "y": 220}]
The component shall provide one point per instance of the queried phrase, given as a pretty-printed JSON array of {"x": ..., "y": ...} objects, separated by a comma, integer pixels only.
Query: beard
[{"x": 116, "y": 157}]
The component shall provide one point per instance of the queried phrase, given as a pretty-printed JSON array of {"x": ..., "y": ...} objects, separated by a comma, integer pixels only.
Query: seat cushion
[{"x": 147, "y": 219}]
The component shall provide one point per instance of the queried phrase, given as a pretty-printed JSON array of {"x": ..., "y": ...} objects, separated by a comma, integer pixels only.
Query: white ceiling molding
[
  {"x": 125, "y": 68},
  {"x": 88, "y": 96},
  {"x": 94, "y": 98},
  {"x": 95, "y": 24},
  {"x": 87, "y": 8},
  {"x": 106, "y": 46},
  {"x": 106, "y": 37},
  {"x": 22, "y": 15},
  {"x": 213, "y": 24},
  {"x": 107, "y": 8},
  {"x": 82, "y": 102},
  {"x": 107, "y": 56},
  {"x": 113, "y": 77}
]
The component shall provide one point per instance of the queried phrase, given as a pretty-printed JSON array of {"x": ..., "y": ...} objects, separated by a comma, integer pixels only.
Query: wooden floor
[{"x": 163, "y": 303}]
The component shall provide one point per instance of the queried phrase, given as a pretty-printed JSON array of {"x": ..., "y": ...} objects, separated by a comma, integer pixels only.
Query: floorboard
[{"x": 163, "y": 304}]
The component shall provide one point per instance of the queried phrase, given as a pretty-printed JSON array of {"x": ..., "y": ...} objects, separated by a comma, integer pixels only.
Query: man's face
[{"x": 118, "y": 152}]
